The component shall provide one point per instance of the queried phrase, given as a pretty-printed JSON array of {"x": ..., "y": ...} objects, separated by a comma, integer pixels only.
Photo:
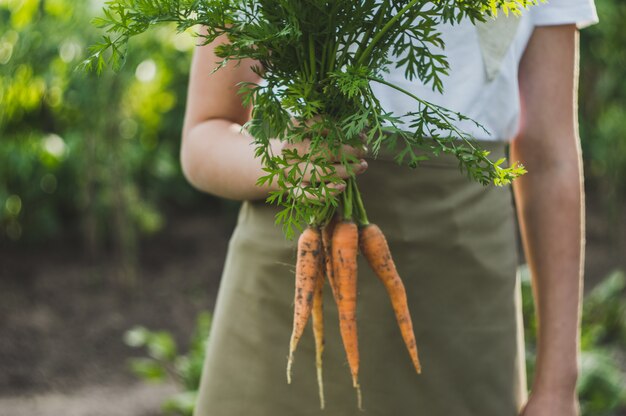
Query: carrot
[
  {"x": 318, "y": 331},
  {"x": 376, "y": 250},
  {"x": 327, "y": 234},
  {"x": 308, "y": 266},
  {"x": 344, "y": 247}
]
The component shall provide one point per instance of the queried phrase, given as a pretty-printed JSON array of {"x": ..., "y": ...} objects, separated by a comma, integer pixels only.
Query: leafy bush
[
  {"x": 601, "y": 386},
  {"x": 602, "y": 124},
  {"x": 165, "y": 363},
  {"x": 100, "y": 150},
  {"x": 115, "y": 166}
]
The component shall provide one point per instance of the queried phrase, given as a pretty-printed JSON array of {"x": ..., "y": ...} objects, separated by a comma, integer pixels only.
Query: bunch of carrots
[{"x": 329, "y": 251}]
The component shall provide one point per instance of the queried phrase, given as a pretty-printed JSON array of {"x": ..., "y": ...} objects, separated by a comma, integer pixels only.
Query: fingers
[
  {"x": 344, "y": 172},
  {"x": 313, "y": 173},
  {"x": 345, "y": 163},
  {"x": 346, "y": 151},
  {"x": 356, "y": 152},
  {"x": 333, "y": 183},
  {"x": 325, "y": 191},
  {"x": 334, "y": 188}
]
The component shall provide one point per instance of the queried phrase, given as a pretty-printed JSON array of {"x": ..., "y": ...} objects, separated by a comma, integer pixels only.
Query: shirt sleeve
[{"x": 561, "y": 12}]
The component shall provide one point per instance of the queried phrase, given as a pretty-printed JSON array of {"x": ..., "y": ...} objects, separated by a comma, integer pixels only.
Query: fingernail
[
  {"x": 364, "y": 164},
  {"x": 340, "y": 187}
]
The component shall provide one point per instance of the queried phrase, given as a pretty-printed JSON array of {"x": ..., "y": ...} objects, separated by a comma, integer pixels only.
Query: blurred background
[{"x": 110, "y": 261}]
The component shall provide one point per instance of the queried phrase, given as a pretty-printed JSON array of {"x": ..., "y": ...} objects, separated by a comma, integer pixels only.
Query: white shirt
[{"x": 484, "y": 59}]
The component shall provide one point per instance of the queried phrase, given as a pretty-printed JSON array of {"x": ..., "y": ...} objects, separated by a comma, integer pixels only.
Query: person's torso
[{"x": 482, "y": 82}]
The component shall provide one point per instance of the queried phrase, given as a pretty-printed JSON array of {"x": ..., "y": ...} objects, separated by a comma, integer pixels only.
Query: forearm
[
  {"x": 219, "y": 159},
  {"x": 550, "y": 203}
]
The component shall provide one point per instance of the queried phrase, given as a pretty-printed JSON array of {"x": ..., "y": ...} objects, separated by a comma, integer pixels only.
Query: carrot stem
[
  {"x": 360, "y": 208},
  {"x": 347, "y": 201},
  {"x": 324, "y": 216},
  {"x": 362, "y": 56}
]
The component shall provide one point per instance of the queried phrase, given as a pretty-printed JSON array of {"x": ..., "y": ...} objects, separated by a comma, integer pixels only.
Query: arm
[
  {"x": 216, "y": 155},
  {"x": 550, "y": 205}
]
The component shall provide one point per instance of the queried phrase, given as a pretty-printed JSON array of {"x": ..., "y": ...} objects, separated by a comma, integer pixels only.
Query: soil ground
[{"x": 62, "y": 323}]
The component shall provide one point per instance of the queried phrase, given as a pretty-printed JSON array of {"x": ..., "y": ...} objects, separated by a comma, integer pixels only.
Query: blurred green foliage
[
  {"x": 602, "y": 101},
  {"x": 165, "y": 363},
  {"x": 100, "y": 153},
  {"x": 602, "y": 382}
]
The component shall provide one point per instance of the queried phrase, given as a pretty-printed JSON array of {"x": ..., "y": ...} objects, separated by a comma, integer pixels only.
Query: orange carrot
[
  {"x": 344, "y": 248},
  {"x": 327, "y": 234},
  {"x": 308, "y": 266},
  {"x": 318, "y": 331},
  {"x": 376, "y": 250}
]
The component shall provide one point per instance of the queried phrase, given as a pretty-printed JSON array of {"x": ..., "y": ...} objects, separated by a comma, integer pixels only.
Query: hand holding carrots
[
  {"x": 341, "y": 172},
  {"x": 347, "y": 162}
]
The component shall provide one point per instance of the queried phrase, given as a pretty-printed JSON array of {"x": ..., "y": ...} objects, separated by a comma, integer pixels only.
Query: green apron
[{"x": 454, "y": 245}]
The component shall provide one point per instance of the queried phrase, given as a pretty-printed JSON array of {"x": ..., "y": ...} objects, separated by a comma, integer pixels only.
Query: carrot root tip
[
  {"x": 359, "y": 397},
  {"x": 289, "y": 364},
  {"x": 320, "y": 384}
]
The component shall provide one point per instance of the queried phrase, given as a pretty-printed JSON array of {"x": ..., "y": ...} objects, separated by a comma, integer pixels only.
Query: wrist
[
  {"x": 560, "y": 381},
  {"x": 551, "y": 404}
]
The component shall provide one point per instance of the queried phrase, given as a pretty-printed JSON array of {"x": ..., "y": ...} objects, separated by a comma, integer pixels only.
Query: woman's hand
[{"x": 334, "y": 181}]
